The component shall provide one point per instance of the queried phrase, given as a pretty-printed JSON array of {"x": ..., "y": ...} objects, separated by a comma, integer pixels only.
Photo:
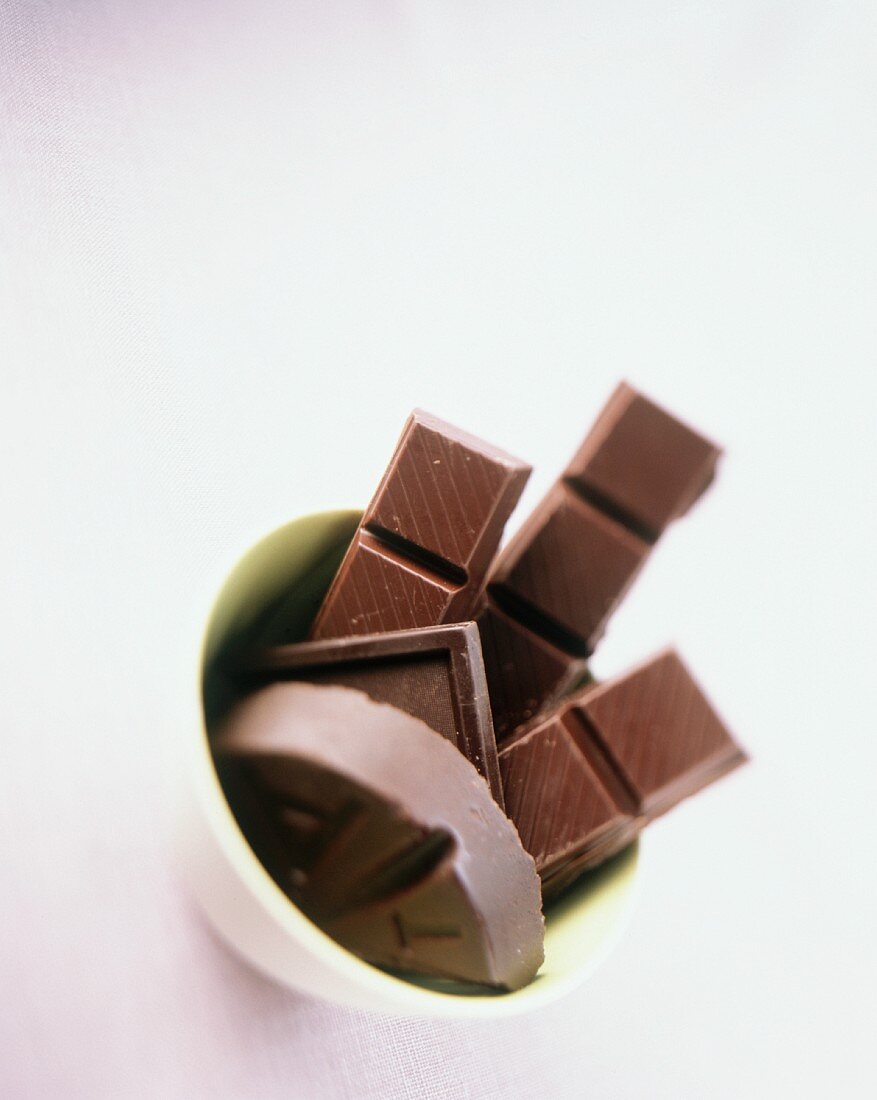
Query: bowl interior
[{"x": 271, "y": 596}]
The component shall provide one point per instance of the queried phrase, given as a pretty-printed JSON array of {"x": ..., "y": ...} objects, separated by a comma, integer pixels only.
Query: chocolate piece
[
  {"x": 562, "y": 796},
  {"x": 583, "y": 781},
  {"x": 383, "y": 833},
  {"x": 523, "y": 669},
  {"x": 641, "y": 465},
  {"x": 661, "y": 733},
  {"x": 427, "y": 538},
  {"x": 435, "y": 673},
  {"x": 554, "y": 587}
]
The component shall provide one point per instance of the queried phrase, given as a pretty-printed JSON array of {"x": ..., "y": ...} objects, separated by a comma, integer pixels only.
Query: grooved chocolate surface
[
  {"x": 586, "y": 778},
  {"x": 523, "y": 669},
  {"x": 570, "y": 569},
  {"x": 428, "y": 536},
  {"x": 383, "y": 833},
  {"x": 642, "y": 464},
  {"x": 433, "y": 673},
  {"x": 662, "y": 732},
  {"x": 555, "y": 796},
  {"x": 573, "y": 560}
]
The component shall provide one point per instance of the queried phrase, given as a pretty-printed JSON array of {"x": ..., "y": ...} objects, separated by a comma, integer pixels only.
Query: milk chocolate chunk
[
  {"x": 435, "y": 673},
  {"x": 586, "y": 778},
  {"x": 383, "y": 833},
  {"x": 427, "y": 538},
  {"x": 554, "y": 587}
]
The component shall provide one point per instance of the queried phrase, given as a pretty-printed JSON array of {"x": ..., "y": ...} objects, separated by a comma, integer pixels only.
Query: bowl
[{"x": 282, "y": 580}]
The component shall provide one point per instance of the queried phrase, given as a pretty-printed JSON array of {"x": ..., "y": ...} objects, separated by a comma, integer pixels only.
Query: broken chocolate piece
[
  {"x": 561, "y": 796},
  {"x": 586, "y": 778},
  {"x": 554, "y": 587},
  {"x": 641, "y": 465},
  {"x": 427, "y": 538},
  {"x": 383, "y": 833},
  {"x": 661, "y": 733},
  {"x": 435, "y": 673},
  {"x": 523, "y": 669}
]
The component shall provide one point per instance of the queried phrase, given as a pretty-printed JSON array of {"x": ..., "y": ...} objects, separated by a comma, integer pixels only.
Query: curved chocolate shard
[
  {"x": 571, "y": 563},
  {"x": 435, "y": 673},
  {"x": 584, "y": 780},
  {"x": 383, "y": 833},
  {"x": 428, "y": 536}
]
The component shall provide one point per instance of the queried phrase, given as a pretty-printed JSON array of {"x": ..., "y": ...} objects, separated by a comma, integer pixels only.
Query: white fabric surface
[{"x": 238, "y": 242}]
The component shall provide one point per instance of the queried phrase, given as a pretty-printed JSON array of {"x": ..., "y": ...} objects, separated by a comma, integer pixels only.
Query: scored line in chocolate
[
  {"x": 535, "y": 620},
  {"x": 610, "y": 508},
  {"x": 401, "y": 547},
  {"x": 602, "y": 762}
]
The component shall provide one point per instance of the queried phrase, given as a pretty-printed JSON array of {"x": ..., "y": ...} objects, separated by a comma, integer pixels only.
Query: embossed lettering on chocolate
[
  {"x": 383, "y": 833},
  {"x": 428, "y": 536},
  {"x": 435, "y": 673},
  {"x": 554, "y": 587}
]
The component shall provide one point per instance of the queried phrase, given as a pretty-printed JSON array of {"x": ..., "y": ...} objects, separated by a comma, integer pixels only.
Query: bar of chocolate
[
  {"x": 665, "y": 739},
  {"x": 641, "y": 465},
  {"x": 586, "y": 778},
  {"x": 554, "y": 587},
  {"x": 435, "y": 673},
  {"x": 382, "y": 833},
  {"x": 428, "y": 536}
]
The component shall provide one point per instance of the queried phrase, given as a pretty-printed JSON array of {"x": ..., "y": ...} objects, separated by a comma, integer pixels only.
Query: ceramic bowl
[{"x": 292, "y": 567}]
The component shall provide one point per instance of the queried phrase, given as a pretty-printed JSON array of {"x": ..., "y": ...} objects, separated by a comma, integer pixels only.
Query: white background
[{"x": 238, "y": 242}]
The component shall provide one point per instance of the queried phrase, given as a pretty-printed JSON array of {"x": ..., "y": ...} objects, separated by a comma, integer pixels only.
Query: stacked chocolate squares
[{"x": 436, "y": 760}]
